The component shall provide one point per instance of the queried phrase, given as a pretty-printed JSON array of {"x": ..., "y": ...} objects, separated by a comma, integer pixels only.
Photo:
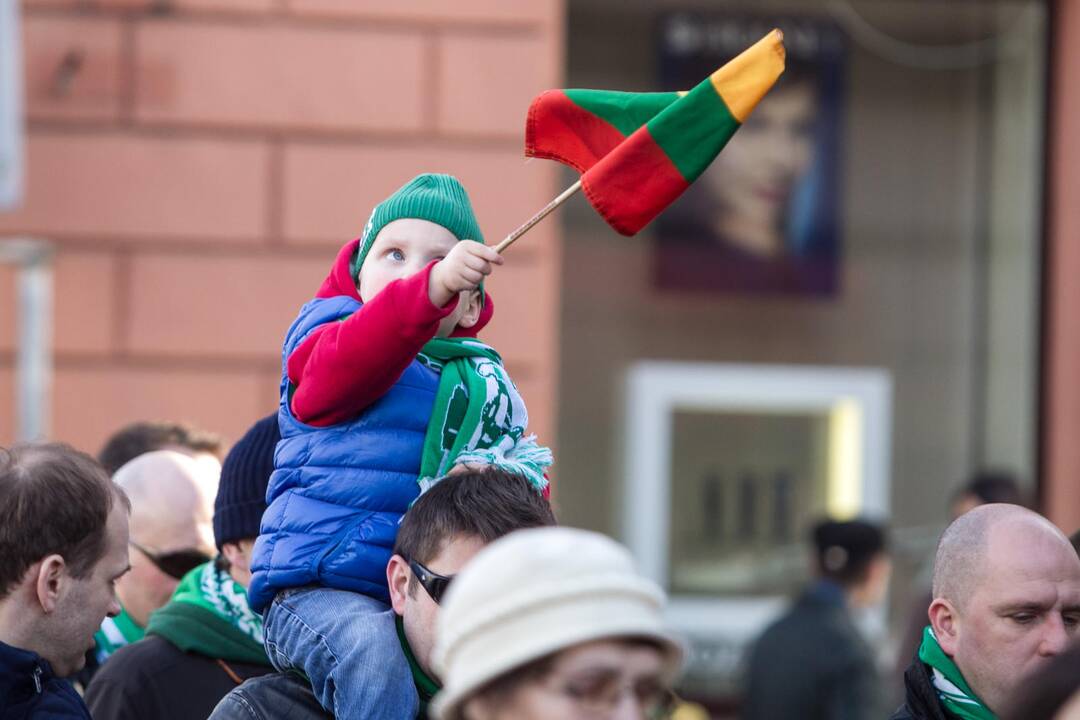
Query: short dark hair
[
  {"x": 485, "y": 504},
  {"x": 131, "y": 441},
  {"x": 992, "y": 486},
  {"x": 53, "y": 500},
  {"x": 844, "y": 550}
]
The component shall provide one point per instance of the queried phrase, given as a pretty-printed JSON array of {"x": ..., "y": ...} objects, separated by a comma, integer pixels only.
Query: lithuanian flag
[{"x": 640, "y": 151}]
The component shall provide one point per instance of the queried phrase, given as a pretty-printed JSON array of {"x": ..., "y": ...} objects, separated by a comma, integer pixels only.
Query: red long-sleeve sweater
[{"x": 343, "y": 367}]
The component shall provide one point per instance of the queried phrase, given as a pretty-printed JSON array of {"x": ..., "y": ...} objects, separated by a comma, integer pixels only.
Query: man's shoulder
[
  {"x": 920, "y": 698},
  {"x": 149, "y": 656},
  {"x": 812, "y": 625},
  {"x": 906, "y": 712},
  {"x": 902, "y": 713},
  {"x": 281, "y": 696},
  {"x": 58, "y": 701},
  {"x": 30, "y": 690},
  {"x": 130, "y": 682}
]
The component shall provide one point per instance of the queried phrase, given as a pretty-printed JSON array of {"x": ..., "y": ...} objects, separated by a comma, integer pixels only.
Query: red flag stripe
[
  {"x": 633, "y": 183},
  {"x": 569, "y": 134}
]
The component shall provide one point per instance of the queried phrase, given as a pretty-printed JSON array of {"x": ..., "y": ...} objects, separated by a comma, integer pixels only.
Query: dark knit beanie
[
  {"x": 241, "y": 497},
  {"x": 440, "y": 199}
]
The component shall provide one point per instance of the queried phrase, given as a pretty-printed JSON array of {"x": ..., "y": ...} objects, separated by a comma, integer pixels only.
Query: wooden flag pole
[{"x": 566, "y": 194}]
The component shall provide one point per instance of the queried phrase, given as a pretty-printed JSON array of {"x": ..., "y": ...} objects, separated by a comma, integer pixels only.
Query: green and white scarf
[
  {"x": 953, "y": 691},
  {"x": 209, "y": 614},
  {"x": 478, "y": 416},
  {"x": 114, "y": 634}
]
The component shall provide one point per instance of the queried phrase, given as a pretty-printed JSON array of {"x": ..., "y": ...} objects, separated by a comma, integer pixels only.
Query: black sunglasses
[
  {"x": 175, "y": 564},
  {"x": 434, "y": 583}
]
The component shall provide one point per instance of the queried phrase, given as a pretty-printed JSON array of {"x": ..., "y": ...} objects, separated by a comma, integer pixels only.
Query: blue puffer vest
[{"x": 338, "y": 493}]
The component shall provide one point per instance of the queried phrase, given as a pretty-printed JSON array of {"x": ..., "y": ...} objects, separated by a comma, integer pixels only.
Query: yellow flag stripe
[{"x": 745, "y": 80}]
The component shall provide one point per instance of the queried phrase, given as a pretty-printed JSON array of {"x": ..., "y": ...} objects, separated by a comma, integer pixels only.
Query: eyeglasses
[
  {"x": 175, "y": 564},
  {"x": 599, "y": 696},
  {"x": 434, "y": 583}
]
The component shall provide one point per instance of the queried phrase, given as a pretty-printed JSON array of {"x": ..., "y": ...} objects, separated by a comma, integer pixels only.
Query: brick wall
[
  {"x": 198, "y": 163},
  {"x": 1061, "y": 332}
]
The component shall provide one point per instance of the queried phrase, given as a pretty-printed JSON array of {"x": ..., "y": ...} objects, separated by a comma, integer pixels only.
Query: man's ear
[
  {"x": 51, "y": 576},
  {"x": 946, "y": 624},
  {"x": 474, "y": 303},
  {"x": 397, "y": 578}
]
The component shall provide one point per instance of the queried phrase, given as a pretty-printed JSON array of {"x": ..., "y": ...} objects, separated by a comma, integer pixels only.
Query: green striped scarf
[
  {"x": 478, "y": 416},
  {"x": 953, "y": 691},
  {"x": 209, "y": 614},
  {"x": 114, "y": 634}
]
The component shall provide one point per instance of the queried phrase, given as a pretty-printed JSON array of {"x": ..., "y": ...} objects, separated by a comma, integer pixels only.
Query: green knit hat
[{"x": 440, "y": 199}]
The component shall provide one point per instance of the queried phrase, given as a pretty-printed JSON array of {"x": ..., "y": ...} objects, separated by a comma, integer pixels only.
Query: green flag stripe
[
  {"x": 693, "y": 131},
  {"x": 625, "y": 111}
]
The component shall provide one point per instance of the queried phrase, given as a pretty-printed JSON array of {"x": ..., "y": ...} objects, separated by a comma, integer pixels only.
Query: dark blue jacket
[
  {"x": 337, "y": 493},
  {"x": 813, "y": 664},
  {"x": 29, "y": 689}
]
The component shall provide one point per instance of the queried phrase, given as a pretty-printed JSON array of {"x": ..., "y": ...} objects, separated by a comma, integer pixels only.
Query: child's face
[{"x": 403, "y": 248}]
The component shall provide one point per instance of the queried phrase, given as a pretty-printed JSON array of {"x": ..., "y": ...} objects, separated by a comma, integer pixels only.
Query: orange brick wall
[
  {"x": 201, "y": 166},
  {"x": 1061, "y": 389}
]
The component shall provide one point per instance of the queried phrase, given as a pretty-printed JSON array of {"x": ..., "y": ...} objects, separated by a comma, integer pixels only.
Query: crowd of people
[
  {"x": 384, "y": 547},
  {"x": 120, "y": 603}
]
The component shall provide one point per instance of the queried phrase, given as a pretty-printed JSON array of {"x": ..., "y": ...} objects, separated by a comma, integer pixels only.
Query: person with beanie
[
  {"x": 814, "y": 662},
  {"x": 384, "y": 390},
  {"x": 206, "y": 640},
  {"x": 439, "y": 535},
  {"x": 553, "y": 624}
]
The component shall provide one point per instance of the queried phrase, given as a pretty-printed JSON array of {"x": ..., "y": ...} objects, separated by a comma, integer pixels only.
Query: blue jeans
[{"x": 347, "y": 645}]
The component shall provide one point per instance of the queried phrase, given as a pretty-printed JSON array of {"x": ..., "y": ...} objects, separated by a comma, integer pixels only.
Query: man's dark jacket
[
  {"x": 30, "y": 690},
  {"x": 813, "y": 664},
  {"x": 920, "y": 698},
  {"x": 152, "y": 678}
]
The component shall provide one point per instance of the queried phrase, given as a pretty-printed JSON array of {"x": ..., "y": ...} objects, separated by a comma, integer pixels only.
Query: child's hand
[{"x": 464, "y": 268}]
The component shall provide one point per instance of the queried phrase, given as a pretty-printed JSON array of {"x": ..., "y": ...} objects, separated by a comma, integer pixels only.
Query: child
[{"x": 384, "y": 390}]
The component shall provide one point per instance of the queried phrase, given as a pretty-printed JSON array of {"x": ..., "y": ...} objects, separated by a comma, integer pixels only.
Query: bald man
[
  {"x": 172, "y": 509},
  {"x": 1006, "y": 600}
]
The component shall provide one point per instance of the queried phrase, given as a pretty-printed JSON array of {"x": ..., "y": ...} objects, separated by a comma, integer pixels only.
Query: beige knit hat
[{"x": 535, "y": 592}]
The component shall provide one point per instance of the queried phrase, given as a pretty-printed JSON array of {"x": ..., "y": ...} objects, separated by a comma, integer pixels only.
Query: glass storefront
[{"x": 881, "y": 213}]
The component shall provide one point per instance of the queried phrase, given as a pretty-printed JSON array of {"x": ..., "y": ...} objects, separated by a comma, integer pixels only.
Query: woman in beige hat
[{"x": 553, "y": 623}]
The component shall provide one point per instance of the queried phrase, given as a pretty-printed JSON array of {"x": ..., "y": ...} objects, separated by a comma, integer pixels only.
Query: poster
[{"x": 764, "y": 218}]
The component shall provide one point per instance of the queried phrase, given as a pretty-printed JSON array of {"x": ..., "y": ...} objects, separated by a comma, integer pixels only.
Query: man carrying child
[{"x": 384, "y": 390}]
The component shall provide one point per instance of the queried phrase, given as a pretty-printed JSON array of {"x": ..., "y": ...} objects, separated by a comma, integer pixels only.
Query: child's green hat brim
[{"x": 440, "y": 199}]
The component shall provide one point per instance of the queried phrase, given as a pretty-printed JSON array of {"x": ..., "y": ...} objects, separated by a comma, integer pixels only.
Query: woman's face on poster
[{"x": 755, "y": 173}]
